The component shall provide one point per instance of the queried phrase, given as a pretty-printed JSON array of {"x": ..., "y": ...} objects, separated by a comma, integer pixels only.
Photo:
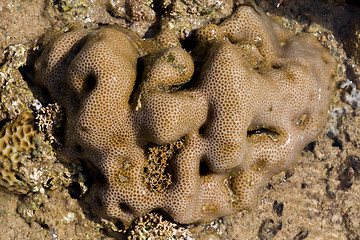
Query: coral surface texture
[
  {"x": 16, "y": 139},
  {"x": 212, "y": 126}
]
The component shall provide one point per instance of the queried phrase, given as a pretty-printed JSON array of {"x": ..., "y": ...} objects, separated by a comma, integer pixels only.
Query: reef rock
[{"x": 211, "y": 128}]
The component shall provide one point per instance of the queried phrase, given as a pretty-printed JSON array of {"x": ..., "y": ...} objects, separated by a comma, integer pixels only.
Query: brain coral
[
  {"x": 16, "y": 139},
  {"x": 194, "y": 136}
]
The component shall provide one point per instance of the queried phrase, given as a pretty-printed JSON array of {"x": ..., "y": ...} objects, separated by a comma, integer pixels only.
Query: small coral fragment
[{"x": 16, "y": 139}]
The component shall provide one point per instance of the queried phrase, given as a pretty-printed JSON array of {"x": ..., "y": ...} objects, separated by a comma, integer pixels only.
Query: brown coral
[
  {"x": 16, "y": 139},
  {"x": 259, "y": 96}
]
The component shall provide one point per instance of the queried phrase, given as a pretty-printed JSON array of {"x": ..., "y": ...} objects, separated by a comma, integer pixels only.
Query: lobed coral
[{"x": 258, "y": 96}]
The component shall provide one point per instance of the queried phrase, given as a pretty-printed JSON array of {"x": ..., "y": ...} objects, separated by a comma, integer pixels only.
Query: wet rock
[
  {"x": 269, "y": 229},
  {"x": 278, "y": 208}
]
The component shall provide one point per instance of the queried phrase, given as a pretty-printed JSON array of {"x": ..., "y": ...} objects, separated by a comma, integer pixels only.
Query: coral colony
[{"x": 193, "y": 134}]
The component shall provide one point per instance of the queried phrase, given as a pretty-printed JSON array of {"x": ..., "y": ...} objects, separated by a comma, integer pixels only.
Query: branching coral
[{"x": 258, "y": 96}]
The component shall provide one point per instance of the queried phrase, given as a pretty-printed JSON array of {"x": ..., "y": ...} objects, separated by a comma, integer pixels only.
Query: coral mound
[{"x": 210, "y": 139}]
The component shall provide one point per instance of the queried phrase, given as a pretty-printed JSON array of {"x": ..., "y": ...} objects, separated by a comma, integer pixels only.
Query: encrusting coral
[{"x": 258, "y": 96}]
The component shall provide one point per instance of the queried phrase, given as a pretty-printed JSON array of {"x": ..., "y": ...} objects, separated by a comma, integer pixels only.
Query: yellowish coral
[
  {"x": 259, "y": 96},
  {"x": 16, "y": 139}
]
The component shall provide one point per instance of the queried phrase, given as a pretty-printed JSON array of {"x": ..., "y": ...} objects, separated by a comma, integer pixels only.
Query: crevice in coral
[
  {"x": 209, "y": 119},
  {"x": 78, "y": 148},
  {"x": 262, "y": 130},
  {"x": 136, "y": 88},
  {"x": 202, "y": 130},
  {"x": 2, "y": 124},
  {"x": 276, "y": 66},
  {"x": 27, "y": 72},
  {"x": 188, "y": 42},
  {"x": 99, "y": 202},
  {"x": 204, "y": 168},
  {"x": 75, "y": 50},
  {"x": 125, "y": 208}
]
